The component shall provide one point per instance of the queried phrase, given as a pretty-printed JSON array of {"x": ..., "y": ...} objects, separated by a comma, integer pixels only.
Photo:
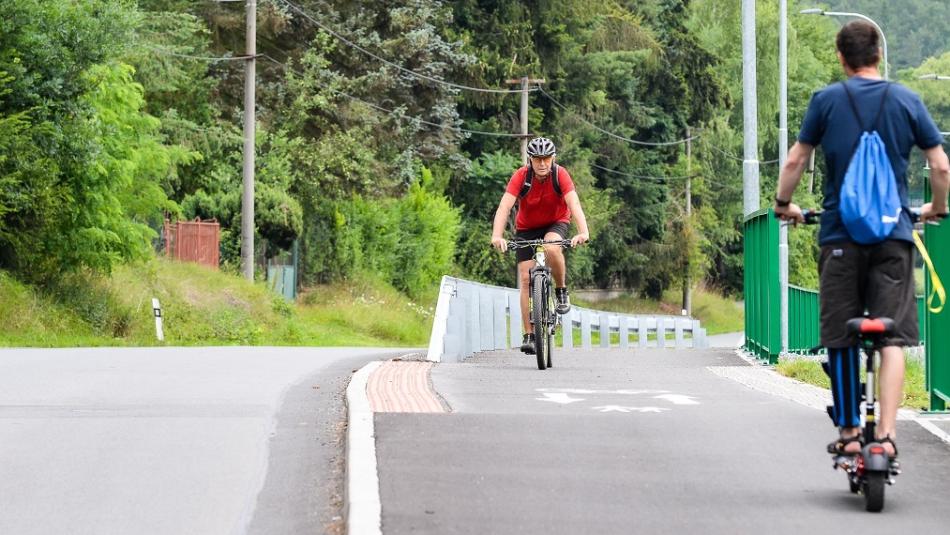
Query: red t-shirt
[{"x": 542, "y": 206}]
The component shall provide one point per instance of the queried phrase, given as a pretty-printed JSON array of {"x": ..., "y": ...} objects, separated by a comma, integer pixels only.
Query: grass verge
[
  {"x": 808, "y": 370},
  {"x": 204, "y": 307}
]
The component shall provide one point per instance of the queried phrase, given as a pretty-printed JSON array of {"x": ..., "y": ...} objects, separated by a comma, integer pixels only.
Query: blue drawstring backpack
[{"x": 869, "y": 205}]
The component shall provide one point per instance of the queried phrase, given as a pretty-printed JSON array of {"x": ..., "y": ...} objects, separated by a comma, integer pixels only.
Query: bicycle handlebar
[
  {"x": 812, "y": 216},
  {"x": 521, "y": 244}
]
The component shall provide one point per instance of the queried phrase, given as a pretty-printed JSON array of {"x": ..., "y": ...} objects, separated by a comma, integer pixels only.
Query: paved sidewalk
[{"x": 726, "y": 340}]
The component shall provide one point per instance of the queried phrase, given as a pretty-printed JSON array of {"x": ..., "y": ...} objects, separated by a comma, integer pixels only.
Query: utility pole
[
  {"x": 687, "y": 282},
  {"x": 525, "y": 82},
  {"x": 750, "y": 162},
  {"x": 247, "y": 200}
]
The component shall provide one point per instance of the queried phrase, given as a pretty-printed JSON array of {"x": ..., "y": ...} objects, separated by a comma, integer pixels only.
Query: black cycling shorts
[
  {"x": 879, "y": 278},
  {"x": 527, "y": 253}
]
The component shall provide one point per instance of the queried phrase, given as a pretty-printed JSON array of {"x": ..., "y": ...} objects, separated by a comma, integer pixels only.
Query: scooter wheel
[{"x": 874, "y": 491}]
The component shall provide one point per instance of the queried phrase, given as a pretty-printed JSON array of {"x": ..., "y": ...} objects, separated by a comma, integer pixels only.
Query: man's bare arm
[
  {"x": 574, "y": 203},
  {"x": 789, "y": 178},
  {"x": 939, "y": 183},
  {"x": 501, "y": 219}
]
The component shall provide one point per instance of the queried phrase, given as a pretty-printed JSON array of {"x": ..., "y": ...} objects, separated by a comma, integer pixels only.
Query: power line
[
  {"x": 199, "y": 58},
  {"x": 725, "y": 153},
  {"x": 611, "y": 134},
  {"x": 327, "y": 29},
  {"x": 734, "y": 157},
  {"x": 663, "y": 179},
  {"x": 644, "y": 177},
  {"x": 394, "y": 114}
]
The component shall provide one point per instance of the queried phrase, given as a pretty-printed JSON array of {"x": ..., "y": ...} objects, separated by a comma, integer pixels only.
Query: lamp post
[
  {"x": 819, "y": 11},
  {"x": 782, "y": 156}
]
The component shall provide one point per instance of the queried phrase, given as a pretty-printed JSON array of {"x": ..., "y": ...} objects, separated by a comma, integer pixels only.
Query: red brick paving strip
[{"x": 402, "y": 386}]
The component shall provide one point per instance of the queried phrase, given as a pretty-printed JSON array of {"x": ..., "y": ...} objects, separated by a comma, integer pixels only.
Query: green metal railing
[
  {"x": 803, "y": 319},
  {"x": 937, "y": 347},
  {"x": 762, "y": 291},
  {"x": 763, "y": 315},
  {"x": 763, "y": 307}
]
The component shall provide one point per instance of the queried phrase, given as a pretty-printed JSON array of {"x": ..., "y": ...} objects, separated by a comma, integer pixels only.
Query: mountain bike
[{"x": 541, "y": 294}]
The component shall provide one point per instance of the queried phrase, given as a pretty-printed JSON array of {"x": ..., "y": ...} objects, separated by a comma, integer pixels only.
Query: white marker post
[{"x": 157, "y": 310}]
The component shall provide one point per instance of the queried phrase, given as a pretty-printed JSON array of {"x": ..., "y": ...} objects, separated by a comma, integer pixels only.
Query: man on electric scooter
[{"x": 854, "y": 273}]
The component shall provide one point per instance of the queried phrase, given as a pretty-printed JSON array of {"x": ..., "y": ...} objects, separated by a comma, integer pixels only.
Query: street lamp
[{"x": 819, "y": 11}]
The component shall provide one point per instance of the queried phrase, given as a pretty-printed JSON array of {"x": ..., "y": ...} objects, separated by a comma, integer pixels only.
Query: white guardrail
[{"x": 471, "y": 317}]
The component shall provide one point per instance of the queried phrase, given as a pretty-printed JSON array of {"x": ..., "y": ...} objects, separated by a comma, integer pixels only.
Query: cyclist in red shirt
[{"x": 544, "y": 211}]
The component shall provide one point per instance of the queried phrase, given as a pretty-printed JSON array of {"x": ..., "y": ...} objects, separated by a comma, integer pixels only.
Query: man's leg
[
  {"x": 891, "y": 378},
  {"x": 892, "y": 295},
  {"x": 840, "y": 291},
  {"x": 844, "y": 366},
  {"x": 554, "y": 256}
]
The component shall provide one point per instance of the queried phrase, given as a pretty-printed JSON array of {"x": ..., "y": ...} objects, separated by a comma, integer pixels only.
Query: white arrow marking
[
  {"x": 613, "y": 408},
  {"x": 586, "y": 391},
  {"x": 677, "y": 399},
  {"x": 559, "y": 397},
  {"x": 621, "y": 408}
]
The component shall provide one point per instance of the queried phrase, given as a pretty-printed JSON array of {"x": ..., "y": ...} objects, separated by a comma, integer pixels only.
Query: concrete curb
[{"x": 363, "y": 507}]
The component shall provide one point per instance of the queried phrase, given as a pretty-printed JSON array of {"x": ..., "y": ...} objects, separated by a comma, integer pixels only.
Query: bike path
[{"x": 641, "y": 441}]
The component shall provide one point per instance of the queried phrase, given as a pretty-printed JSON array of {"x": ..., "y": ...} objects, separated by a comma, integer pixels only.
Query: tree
[{"x": 81, "y": 189}]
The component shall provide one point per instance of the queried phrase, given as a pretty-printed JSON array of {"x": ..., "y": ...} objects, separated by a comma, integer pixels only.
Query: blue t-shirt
[{"x": 830, "y": 122}]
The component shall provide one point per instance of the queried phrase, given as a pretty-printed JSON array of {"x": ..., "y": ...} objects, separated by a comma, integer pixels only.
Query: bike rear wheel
[
  {"x": 539, "y": 318},
  {"x": 874, "y": 491}
]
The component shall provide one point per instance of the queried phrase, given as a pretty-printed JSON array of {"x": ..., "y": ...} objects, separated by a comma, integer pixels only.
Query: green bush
[
  {"x": 408, "y": 242},
  {"x": 94, "y": 303}
]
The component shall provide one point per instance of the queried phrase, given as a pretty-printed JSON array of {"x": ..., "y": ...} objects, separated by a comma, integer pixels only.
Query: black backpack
[{"x": 526, "y": 187}]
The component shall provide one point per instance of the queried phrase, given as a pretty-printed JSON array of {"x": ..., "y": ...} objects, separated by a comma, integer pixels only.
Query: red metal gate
[{"x": 193, "y": 241}]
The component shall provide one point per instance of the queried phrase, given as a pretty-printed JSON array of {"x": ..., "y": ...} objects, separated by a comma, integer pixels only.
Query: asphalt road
[
  {"x": 173, "y": 440},
  {"x": 647, "y": 441}
]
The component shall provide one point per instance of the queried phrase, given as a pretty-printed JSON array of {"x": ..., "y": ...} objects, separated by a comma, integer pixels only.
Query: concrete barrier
[{"x": 471, "y": 317}]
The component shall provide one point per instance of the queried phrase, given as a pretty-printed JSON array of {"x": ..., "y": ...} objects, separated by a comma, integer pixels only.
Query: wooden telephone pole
[
  {"x": 687, "y": 282},
  {"x": 247, "y": 196},
  {"x": 525, "y": 83}
]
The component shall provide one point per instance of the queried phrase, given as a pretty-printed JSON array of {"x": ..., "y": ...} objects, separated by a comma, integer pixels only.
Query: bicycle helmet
[{"x": 541, "y": 146}]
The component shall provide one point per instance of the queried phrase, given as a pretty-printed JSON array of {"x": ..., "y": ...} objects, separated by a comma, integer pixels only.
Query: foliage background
[{"x": 115, "y": 114}]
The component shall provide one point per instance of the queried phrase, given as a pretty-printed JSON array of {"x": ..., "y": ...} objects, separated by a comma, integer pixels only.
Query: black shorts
[
  {"x": 527, "y": 253},
  {"x": 879, "y": 278}
]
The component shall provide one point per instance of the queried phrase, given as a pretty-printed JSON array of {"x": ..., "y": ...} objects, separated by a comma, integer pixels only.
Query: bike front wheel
[{"x": 539, "y": 318}]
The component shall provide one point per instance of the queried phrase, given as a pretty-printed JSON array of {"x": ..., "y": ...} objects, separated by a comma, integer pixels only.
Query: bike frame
[{"x": 541, "y": 265}]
